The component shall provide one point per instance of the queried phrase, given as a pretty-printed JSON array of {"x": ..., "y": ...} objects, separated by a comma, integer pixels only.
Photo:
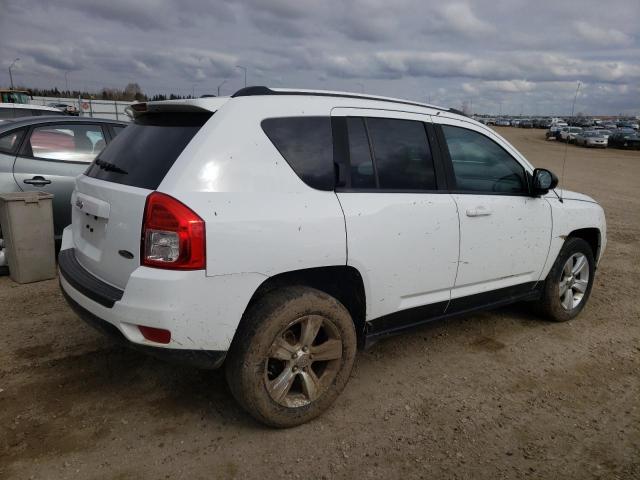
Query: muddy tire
[
  {"x": 291, "y": 356},
  {"x": 568, "y": 285}
]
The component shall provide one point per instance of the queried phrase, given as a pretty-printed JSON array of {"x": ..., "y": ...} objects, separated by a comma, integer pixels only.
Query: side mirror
[{"x": 543, "y": 181}]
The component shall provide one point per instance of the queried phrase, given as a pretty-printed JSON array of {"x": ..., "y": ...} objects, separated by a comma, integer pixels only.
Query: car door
[
  {"x": 402, "y": 226},
  {"x": 52, "y": 156},
  {"x": 504, "y": 232}
]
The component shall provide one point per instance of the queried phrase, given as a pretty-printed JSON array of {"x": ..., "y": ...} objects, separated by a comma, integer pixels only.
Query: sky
[{"x": 509, "y": 56}]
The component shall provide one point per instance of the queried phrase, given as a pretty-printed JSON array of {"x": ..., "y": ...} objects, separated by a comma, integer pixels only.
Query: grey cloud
[{"x": 521, "y": 52}]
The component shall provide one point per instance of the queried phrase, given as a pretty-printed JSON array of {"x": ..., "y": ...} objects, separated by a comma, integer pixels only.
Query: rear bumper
[
  {"x": 201, "y": 312},
  {"x": 197, "y": 358}
]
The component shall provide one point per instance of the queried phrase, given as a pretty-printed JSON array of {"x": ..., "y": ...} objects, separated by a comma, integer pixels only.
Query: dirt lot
[{"x": 493, "y": 395}]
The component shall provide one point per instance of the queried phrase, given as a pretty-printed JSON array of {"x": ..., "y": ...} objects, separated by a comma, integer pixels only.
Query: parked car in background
[
  {"x": 542, "y": 123},
  {"x": 591, "y": 138},
  {"x": 625, "y": 138},
  {"x": 65, "y": 108},
  {"x": 9, "y": 111},
  {"x": 604, "y": 132},
  {"x": 47, "y": 153},
  {"x": 515, "y": 122},
  {"x": 251, "y": 237},
  {"x": 525, "y": 123},
  {"x": 503, "y": 122},
  {"x": 609, "y": 125},
  {"x": 568, "y": 134},
  {"x": 14, "y": 96},
  {"x": 628, "y": 124},
  {"x": 554, "y": 131}
]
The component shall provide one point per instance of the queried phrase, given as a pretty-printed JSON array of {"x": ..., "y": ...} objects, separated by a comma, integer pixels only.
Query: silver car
[
  {"x": 591, "y": 138},
  {"x": 47, "y": 153}
]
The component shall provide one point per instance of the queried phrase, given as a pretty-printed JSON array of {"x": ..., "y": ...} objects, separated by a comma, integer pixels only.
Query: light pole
[
  {"x": 223, "y": 82},
  {"x": 10, "y": 74},
  {"x": 66, "y": 79},
  {"x": 245, "y": 73}
]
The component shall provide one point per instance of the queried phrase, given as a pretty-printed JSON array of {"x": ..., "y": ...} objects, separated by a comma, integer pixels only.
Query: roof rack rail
[{"x": 259, "y": 90}]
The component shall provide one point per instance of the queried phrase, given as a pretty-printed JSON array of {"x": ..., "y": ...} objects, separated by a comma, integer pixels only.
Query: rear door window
[
  {"x": 402, "y": 156},
  {"x": 306, "y": 143},
  {"x": 68, "y": 142},
  {"x": 401, "y": 159},
  {"x": 142, "y": 154}
]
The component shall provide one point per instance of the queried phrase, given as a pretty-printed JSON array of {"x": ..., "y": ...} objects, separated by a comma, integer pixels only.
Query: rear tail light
[{"x": 173, "y": 236}]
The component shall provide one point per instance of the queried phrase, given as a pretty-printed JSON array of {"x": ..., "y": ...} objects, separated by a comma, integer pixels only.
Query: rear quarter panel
[{"x": 260, "y": 217}]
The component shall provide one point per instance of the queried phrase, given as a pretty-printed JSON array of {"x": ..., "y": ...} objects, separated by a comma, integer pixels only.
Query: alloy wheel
[
  {"x": 303, "y": 361},
  {"x": 574, "y": 281}
]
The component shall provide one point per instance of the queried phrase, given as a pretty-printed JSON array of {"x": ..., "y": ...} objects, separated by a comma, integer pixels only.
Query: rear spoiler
[{"x": 197, "y": 105}]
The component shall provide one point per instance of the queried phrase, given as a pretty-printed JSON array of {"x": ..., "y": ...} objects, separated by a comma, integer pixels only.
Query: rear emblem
[
  {"x": 126, "y": 254},
  {"x": 79, "y": 204}
]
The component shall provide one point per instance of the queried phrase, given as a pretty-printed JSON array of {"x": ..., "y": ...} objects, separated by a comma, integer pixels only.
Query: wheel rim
[
  {"x": 303, "y": 361},
  {"x": 574, "y": 281}
]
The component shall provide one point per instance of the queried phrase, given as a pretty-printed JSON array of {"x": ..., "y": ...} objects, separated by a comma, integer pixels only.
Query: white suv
[{"x": 276, "y": 231}]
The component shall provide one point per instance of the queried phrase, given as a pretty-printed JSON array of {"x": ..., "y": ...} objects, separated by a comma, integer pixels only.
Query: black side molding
[
  {"x": 404, "y": 320},
  {"x": 90, "y": 286}
]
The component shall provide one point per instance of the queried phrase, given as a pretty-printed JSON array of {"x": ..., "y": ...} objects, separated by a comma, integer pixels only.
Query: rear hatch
[{"x": 109, "y": 200}]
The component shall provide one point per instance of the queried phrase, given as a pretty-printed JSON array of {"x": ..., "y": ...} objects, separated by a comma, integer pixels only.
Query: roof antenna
[{"x": 566, "y": 145}]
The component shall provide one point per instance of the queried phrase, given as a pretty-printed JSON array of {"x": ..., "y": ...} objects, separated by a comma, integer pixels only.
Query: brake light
[{"x": 173, "y": 236}]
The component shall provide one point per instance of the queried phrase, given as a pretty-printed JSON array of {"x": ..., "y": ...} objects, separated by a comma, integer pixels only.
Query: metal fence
[{"x": 87, "y": 107}]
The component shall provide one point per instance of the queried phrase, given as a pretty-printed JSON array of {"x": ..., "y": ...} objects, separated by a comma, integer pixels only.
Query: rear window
[
  {"x": 14, "y": 112},
  {"x": 306, "y": 144},
  {"x": 142, "y": 154}
]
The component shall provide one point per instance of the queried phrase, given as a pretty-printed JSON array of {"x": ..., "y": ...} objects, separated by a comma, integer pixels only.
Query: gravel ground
[{"x": 493, "y": 395}]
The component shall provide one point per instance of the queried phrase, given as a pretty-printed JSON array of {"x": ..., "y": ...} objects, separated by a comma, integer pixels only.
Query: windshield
[{"x": 15, "y": 97}]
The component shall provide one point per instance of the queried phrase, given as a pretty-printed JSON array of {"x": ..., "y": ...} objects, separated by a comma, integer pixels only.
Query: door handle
[
  {"x": 478, "y": 212},
  {"x": 38, "y": 181}
]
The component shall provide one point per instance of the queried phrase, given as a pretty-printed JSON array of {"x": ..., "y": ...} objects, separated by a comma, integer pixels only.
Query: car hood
[{"x": 569, "y": 195}]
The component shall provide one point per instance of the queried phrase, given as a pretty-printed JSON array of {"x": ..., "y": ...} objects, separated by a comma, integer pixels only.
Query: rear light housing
[
  {"x": 157, "y": 335},
  {"x": 173, "y": 235}
]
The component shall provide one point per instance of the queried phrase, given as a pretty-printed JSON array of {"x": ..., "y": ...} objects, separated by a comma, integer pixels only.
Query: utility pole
[
  {"x": 66, "y": 79},
  {"x": 10, "y": 74},
  {"x": 245, "y": 73},
  {"x": 223, "y": 82}
]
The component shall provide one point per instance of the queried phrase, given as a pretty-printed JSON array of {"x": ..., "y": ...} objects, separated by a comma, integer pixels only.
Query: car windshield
[{"x": 15, "y": 97}]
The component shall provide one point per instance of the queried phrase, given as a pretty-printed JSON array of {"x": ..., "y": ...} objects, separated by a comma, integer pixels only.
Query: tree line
[{"x": 132, "y": 92}]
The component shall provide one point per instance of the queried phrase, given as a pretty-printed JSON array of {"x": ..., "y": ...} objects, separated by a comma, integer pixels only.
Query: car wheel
[
  {"x": 568, "y": 285},
  {"x": 291, "y": 356}
]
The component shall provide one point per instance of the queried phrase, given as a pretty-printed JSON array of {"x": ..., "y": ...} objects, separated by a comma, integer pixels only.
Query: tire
[
  {"x": 269, "y": 345},
  {"x": 555, "y": 304}
]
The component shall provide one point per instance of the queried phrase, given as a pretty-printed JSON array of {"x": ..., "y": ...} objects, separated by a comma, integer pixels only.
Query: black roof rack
[{"x": 260, "y": 90}]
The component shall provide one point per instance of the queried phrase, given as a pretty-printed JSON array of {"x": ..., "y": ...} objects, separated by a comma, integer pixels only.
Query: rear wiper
[{"x": 109, "y": 167}]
